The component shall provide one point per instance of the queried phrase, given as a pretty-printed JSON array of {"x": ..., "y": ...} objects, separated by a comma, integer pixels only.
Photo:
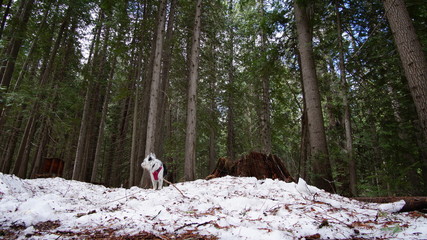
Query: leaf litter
[{"x": 221, "y": 208}]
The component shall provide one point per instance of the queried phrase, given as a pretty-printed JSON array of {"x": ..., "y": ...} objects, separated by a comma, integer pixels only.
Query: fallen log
[
  {"x": 254, "y": 164},
  {"x": 411, "y": 203}
]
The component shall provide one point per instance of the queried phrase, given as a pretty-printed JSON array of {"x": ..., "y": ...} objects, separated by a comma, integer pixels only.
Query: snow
[{"x": 224, "y": 208}]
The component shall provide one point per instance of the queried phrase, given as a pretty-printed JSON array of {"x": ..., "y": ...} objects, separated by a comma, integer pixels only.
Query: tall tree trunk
[
  {"x": 152, "y": 94},
  {"x": 411, "y": 54},
  {"x": 42, "y": 26},
  {"x": 101, "y": 130},
  {"x": 137, "y": 129},
  {"x": 231, "y": 135},
  {"x": 87, "y": 135},
  {"x": 304, "y": 147},
  {"x": 24, "y": 68},
  {"x": 265, "y": 97},
  {"x": 78, "y": 160},
  {"x": 190, "y": 135},
  {"x": 135, "y": 140},
  {"x": 304, "y": 142},
  {"x": 111, "y": 171},
  {"x": 48, "y": 71},
  {"x": 346, "y": 117},
  {"x": 144, "y": 112},
  {"x": 212, "y": 151},
  {"x": 212, "y": 148},
  {"x": 83, "y": 142},
  {"x": 155, "y": 88},
  {"x": 14, "y": 46},
  {"x": 155, "y": 82},
  {"x": 16, "y": 42},
  {"x": 22, "y": 161},
  {"x": 102, "y": 74},
  {"x": 322, "y": 173},
  {"x": 4, "y": 18},
  {"x": 91, "y": 133},
  {"x": 40, "y": 150},
  {"x": 23, "y": 153},
  {"x": 25, "y": 144},
  {"x": 142, "y": 118},
  {"x": 11, "y": 145},
  {"x": 412, "y": 57},
  {"x": 167, "y": 60}
]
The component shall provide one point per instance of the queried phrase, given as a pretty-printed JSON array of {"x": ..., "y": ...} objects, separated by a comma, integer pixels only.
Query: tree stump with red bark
[{"x": 254, "y": 164}]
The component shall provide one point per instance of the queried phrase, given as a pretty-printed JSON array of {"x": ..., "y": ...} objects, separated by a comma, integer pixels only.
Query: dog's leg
[
  {"x": 161, "y": 177},
  {"x": 153, "y": 182},
  {"x": 160, "y": 182}
]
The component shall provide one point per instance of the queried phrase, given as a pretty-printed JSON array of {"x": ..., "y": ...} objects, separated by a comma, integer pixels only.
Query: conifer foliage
[{"x": 335, "y": 89}]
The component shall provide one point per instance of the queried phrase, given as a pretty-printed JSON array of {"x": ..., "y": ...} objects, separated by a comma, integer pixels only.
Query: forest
[{"x": 336, "y": 89}]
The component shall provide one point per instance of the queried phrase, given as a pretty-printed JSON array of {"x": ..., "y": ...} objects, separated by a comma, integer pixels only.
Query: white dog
[{"x": 157, "y": 170}]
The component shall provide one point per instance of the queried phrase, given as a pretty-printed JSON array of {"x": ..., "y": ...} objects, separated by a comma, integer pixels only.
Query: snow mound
[{"x": 223, "y": 208}]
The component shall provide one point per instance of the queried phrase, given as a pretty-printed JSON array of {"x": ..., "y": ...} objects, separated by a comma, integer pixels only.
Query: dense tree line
[{"x": 337, "y": 89}]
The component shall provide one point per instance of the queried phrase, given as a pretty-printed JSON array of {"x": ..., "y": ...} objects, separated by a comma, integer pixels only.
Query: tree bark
[
  {"x": 231, "y": 135},
  {"x": 190, "y": 136},
  {"x": 85, "y": 132},
  {"x": 138, "y": 131},
  {"x": 92, "y": 131},
  {"x": 11, "y": 145},
  {"x": 146, "y": 94},
  {"x": 25, "y": 144},
  {"x": 265, "y": 97},
  {"x": 40, "y": 149},
  {"x": 12, "y": 51},
  {"x": 111, "y": 172},
  {"x": 304, "y": 147},
  {"x": 101, "y": 130},
  {"x": 16, "y": 42},
  {"x": 23, "y": 153},
  {"x": 254, "y": 164},
  {"x": 212, "y": 152},
  {"x": 411, "y": 55},
  {"x": 135, "y": 140},
  {"x": 167, "y": 61},
  {"x": 4, "y": 18},
  {"x": 142, "y": 175},
  {"x": 155, "y": 82},
  {"x": 322, "y": 173},
  {"x": 24, "y": 68},
  {"x": 346, "y": 118},
  {"x": 48, "y": 70},
  {"x": 78, "y": 160},
  {"x": 155, "y": 87},
  {"x": 102, "y": 74}
]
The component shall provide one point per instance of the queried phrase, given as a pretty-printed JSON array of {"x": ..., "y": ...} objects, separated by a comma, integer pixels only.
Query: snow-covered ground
[{"x": 224, "y": 208}]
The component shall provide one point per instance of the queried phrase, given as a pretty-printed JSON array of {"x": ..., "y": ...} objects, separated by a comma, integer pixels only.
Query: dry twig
[{"x": 175, "y": 188}]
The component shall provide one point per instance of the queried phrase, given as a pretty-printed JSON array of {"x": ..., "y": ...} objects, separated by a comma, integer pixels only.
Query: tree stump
[
  {"x": 254, "y": 164},
  {"x": 52, "y": 167}
]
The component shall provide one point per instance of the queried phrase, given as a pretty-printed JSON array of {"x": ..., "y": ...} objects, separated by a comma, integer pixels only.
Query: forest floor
[{"x": 221, "y": 208}]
